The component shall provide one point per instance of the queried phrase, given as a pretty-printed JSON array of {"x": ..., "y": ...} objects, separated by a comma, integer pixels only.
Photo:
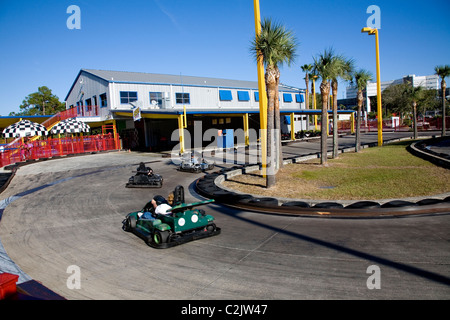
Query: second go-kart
[
  {"x": 145, "y": 178},
  {"x": 184, "y": 222},
  {"x": 194, "y": 165}
]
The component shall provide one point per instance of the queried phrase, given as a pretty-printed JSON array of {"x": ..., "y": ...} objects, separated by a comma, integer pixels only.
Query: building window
[
  {"x": 103, "y": 100},
  {"x": 256, "y": 96},
  {"x": 243, "y": 96},
  {"x": 128, "y": 96},
  {"x": 156, "y": 99},
  {"x": 287, "y": 97},
  {"x": 225, "y": 95},
  {"x": 299, "y": 98},
  {"x": 182, "y": 98}
]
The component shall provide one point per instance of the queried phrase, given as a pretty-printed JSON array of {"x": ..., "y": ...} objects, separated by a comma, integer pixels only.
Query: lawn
[{"x": 374, "y": 173}]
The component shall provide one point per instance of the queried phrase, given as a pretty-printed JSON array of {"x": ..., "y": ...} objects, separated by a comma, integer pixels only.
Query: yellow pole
[
  {"x": 352, "y": 122},
  {"x": 181, "y": 132},
  {"x": 116, "y": 141},
  {"x": 245, "y": 119},
  {"x": 292, "y": 127},
  {"x": 314, "y": 102},
  {"x": 328, "y": 119},
  {"x": 379, "y": 110},
  {"x": 262, "y": 94}
]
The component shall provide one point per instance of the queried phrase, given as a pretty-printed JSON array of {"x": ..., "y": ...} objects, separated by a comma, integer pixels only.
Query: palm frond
[{"x": 275, "y": 44}]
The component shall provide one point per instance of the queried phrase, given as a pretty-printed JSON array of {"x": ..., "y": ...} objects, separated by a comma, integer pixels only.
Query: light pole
[
  {"x": 262, "y": 94},
  {"x": 373, "y": 31}
]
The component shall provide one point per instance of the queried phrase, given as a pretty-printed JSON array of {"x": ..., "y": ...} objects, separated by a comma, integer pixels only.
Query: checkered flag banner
[
  {"x": 25, "y": 128},
  {"x": 70, "y": 125}
]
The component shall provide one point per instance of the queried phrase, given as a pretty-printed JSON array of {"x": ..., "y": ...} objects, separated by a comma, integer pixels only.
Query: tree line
[{"x": 42, "y": 102}]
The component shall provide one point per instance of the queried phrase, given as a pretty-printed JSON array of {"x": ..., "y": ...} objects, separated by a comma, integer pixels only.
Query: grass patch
[{"x": 374, "y": 173}]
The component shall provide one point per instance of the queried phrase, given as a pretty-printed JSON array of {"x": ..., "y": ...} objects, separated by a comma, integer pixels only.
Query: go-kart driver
[
  {"x": 160, "y": 206},
  {"x": 142, "y": 169}
]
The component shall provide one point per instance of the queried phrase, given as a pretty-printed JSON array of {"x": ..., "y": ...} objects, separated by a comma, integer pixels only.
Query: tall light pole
[
  {"x": 373, "y": 31},
  {"x": 262, "y": 94}
]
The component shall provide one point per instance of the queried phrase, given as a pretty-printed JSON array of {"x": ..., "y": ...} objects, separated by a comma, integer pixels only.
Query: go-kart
[
  {"x": 183, "y": 223},
  {"x": 145, "y": 178},
  {"x": 191, "y": 165}
]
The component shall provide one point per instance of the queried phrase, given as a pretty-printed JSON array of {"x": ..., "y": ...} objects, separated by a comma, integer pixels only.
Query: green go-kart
[{"x": 183, "y": 223}]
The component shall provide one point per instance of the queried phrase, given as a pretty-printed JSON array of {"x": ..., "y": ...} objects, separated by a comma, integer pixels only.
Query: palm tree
[
  {"x": 276, "y": 46},
  {"x": 443, "y": 72},
  {"x": 342, "y": 68},
  {"x": 414, "y": 94},
  {"x": 360, "y": 79},
  {"x": 324, "y": 65},
  {"x": 307, "y": 68}
]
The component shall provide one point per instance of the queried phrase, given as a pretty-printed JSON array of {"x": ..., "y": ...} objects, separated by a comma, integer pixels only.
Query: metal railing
[{"x": 49, "y": 148}]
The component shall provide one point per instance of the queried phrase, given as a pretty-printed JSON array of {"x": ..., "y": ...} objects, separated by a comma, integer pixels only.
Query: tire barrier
[
  {"x": 209, "y": 187},
  {"x": 422, "y": 150}
]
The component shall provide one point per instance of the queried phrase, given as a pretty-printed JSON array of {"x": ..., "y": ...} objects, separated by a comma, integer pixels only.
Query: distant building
[
  {"x": 160, "y": 102},
  {"x": 427, "y": 82}
]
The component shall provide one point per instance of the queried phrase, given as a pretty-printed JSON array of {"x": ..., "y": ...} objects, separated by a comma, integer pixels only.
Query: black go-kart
[{"x": 145, "y": 178}]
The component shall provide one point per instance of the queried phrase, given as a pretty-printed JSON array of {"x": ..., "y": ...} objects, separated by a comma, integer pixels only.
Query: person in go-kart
[
  {"x": 159, "y": 206},
  {"x": 142, "y": 169}
]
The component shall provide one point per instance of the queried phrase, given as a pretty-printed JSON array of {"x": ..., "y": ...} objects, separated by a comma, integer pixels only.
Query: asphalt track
[{"x": 68, "y": 212}]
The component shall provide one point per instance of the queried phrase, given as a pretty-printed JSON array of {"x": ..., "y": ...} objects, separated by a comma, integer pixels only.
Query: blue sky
[{"x": 208, "y": 38}]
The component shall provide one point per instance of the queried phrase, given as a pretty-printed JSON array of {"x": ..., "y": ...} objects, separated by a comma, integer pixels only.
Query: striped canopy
[
  {"x": 25, "y": 128},
  {"x": 70, "y": 125}
]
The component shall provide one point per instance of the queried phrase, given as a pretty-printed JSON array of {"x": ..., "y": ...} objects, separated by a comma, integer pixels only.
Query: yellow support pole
[
  {"x": 330, "y": 101},
  {"x": 116, "y": 141},
  {"x": 181, "y": 132},
  {"x": 262, "y": 95},
  {"x": 245, "y": 119},
  {"x": 373, "y": 31},
  {"x": 314, "y": 102},
  {"x": 292, "y": 127},
  {"x": 184, "y": 117},
  {"x": 379, "y": 110},
  {"x": 352, "y": 122}
]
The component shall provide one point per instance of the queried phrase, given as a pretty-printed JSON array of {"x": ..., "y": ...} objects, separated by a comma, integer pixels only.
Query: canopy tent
[
  {"x": 25, "y": 128},
  {"x": 70, "y": 125}
]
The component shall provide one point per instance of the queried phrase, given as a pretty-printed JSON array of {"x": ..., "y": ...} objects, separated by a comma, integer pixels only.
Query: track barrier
[{"x": 49, "y": 148}]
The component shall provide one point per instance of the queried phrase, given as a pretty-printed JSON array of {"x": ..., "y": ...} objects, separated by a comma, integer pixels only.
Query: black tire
[
  {"x": 363, "y": 205},
  {"x": 130, "y": 223},
  {"x": 160, "y": 237},
  {"x": 211, "y": 227},
  {"x": 329, "y": 205},
  {"x": 265, "y": 201},
  {"x": 397, "y": 204},
  {"x": 300, "y": 204},
  {"x": 426, "y": 202}
]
